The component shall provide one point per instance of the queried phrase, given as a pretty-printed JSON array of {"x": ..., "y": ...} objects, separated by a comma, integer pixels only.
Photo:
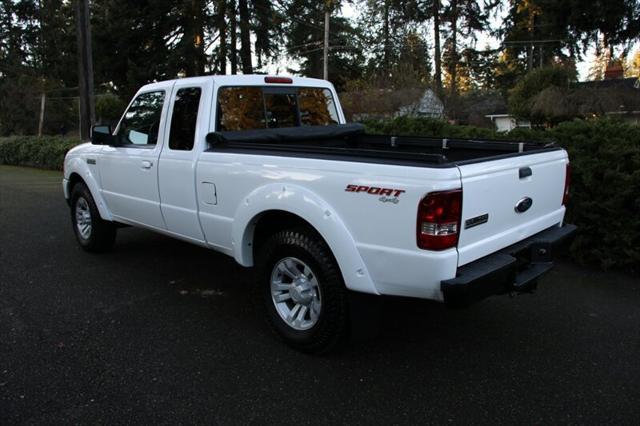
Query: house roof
[{"x": 616, "y": 83}]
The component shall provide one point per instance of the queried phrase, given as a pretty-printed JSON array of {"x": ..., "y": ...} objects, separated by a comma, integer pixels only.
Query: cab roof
[{"x": 242, "y": 80}]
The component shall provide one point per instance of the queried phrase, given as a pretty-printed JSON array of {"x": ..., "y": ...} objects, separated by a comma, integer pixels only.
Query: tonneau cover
[{"x": 287, "y": 134}]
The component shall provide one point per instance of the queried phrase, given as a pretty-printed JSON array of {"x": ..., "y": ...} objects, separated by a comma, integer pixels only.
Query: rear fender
[{"x": 313, "y": 209}]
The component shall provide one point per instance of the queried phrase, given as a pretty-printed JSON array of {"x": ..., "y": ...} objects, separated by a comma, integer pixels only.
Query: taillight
[
  {"x": 281, "y": 80},
  {"x": 567, "y": 185},
  {"x": 439, "y": 220}
]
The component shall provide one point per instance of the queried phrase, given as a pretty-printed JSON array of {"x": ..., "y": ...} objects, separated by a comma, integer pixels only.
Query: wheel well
[
  {"x": 272, "y": 221},
  {"x": 73, "y": 180}
]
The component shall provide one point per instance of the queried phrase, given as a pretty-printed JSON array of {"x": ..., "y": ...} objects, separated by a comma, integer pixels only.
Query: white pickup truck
[{"x": 264, "y": 169}]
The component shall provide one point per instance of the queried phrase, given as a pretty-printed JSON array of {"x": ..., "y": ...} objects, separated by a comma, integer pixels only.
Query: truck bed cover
[{"x": 349, "y": 142}]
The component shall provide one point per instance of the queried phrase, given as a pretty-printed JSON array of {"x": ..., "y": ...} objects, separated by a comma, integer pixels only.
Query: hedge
[
  {"x": 46, "y": 152},
  {"x": 605, "y": 185},
  {"x": 605, "y": 190}
]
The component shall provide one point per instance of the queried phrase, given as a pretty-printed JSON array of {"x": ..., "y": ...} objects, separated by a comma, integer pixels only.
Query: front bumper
[
  {"x": 65, "y": 190},
  {"x": 513, "y": 269}
]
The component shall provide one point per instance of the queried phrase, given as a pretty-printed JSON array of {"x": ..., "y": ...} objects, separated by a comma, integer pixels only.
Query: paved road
[{"x": 161, "y": 331}]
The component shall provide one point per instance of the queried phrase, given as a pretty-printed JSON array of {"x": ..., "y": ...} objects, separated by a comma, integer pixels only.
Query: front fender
[
  {"x": 310, "y": 207},
  {"x": 79, "y": 166}
]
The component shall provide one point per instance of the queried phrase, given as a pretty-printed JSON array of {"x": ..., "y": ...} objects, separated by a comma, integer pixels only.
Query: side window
[
  {"x": 141, "y": 123},
  {"x": 183, "y": 119}
]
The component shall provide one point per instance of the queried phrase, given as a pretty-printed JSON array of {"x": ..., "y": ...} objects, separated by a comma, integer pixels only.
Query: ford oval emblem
[{"x": 523, "y": 205}]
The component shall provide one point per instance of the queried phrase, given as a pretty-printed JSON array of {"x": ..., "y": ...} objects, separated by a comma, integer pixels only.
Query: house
[
  {"x": 613, "y": 97},
  {"x": 506, "y": 122},
  {"x": 388, "y": 103},
  {"x": 429, "y": 105}
]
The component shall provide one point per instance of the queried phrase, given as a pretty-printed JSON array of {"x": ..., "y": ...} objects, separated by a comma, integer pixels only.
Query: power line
[{"x": 532, "y": 41}]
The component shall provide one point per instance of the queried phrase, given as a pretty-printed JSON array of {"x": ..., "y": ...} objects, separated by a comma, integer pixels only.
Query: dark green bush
[
  {"x": 605, "y": 190},
  {"x": 109, "y": 108},
  {"x": 523, "y": 96},
  {"x": 46, "y": 152},
  {"x": 426, "y": 127}
]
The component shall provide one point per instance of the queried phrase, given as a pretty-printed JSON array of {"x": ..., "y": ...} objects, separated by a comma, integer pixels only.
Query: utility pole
[
  {"x": 85, "y": 69},
  {"x": 43, "y": 48},
  {"x": 327, "y": 7},
  {"x": 43, "y": 98}
]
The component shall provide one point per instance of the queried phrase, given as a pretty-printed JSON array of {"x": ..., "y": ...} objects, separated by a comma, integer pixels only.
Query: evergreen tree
[
  {"x": 268, "y": 25},
  {"x": 245, "y": 37},
  {"x": 464, "y": 18},
  {"x": 305, "y": 35},
  {"x": 632, "y": 65},
  {"x": 599, "y": 64}
]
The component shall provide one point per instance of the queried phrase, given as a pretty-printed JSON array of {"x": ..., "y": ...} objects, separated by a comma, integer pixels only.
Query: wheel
[
  {"x": 302, "y": 291},
  {"x": 92, "y": 232}
]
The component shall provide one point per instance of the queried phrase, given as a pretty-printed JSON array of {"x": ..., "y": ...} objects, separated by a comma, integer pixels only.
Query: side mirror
[{"x": 101, "y": 135}]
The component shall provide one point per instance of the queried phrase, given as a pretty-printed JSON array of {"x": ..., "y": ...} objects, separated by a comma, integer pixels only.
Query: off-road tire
[
  {"x": 332, "y": 326},
  {"x": 102, "y": 234}
]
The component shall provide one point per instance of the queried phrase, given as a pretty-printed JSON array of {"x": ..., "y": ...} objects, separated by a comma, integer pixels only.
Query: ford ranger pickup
[{"x": 265, "y": 169}]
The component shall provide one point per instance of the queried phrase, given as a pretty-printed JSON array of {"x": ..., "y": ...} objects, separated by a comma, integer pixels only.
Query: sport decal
[{"x": 386, "y": 195}]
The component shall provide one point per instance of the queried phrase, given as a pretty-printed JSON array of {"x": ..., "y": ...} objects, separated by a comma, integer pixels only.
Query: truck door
[
  {"x": 128, "y": 170},
  {"x": 186, "y": 133}
]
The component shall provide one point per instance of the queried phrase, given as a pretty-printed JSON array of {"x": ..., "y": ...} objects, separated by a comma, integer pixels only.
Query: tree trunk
[
  {"x": 437, "y": 55},
  {"x": 453, "y": 63},
  {"x": 233, "y": 30},
  {"x": 222, "y": 28},
  {"x": 85, "y": 69},
  {"x": 245, "y": 38},
  {"x": 387, "y": 42},
  {"x": 530, "y": 52},
  {"x": 198, "y": 37}
]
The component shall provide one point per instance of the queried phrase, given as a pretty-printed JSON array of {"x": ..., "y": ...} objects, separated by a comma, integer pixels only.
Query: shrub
[
  {"x": 605, "y": 190},
  {"x": 46, "y": 152},
  {"x": 427, "y": 127},
  {"x": 109, "y": 108},
  {"x": 523, "y": 96}
]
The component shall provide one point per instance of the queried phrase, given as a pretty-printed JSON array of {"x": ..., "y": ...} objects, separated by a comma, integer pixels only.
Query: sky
[{"x": 484, "y": 39}]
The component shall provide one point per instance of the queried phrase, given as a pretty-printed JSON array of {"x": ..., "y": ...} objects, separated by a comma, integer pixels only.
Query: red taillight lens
[
  {"x": 567, "y": 185},
  {"x": 439, "y": 220},
  {"x": 281, "y": 80}
]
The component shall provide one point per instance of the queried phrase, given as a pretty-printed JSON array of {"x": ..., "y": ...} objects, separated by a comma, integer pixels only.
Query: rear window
[{"x": 251, "y": 108}]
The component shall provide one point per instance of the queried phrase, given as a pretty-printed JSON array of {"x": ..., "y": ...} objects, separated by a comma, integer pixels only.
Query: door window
[
  {"x": 184, "y": 118},
  {"x": 141, "y": 123}
]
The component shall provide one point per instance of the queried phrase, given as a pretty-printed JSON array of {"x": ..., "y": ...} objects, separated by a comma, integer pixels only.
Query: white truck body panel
[
  {"x": 494, "y": 188},
  {"x": 176, "y": 171},
  {"x": 214, "y": 198}
]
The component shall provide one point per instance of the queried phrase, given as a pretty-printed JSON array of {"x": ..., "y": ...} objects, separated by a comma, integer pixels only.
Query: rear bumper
[{"x": 513, "y": 269}]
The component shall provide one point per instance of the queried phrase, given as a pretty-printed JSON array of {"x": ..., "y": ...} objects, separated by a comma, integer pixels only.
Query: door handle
[
  {"x": 525, "y": 172},
  {"x": 147, "y": 164}
]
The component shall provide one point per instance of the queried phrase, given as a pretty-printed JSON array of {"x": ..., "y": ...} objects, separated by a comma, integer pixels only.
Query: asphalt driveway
[{"x": 161, "y": 331}]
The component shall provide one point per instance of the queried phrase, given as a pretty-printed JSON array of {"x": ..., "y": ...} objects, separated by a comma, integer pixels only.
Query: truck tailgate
[{"x": 507, "y": 200}]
